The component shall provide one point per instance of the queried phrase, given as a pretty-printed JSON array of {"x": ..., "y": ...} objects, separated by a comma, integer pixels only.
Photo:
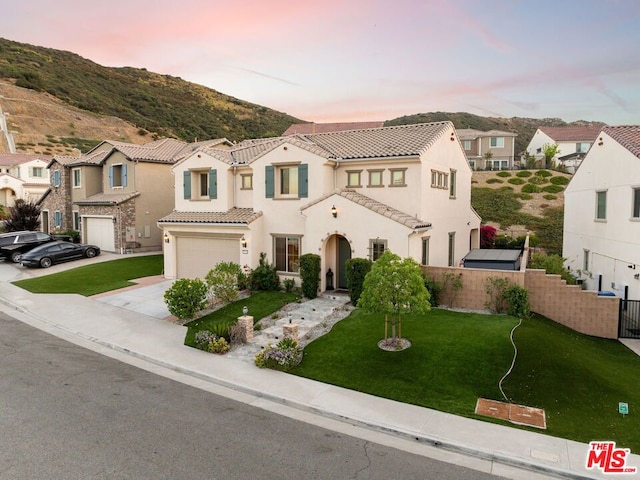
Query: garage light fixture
[
  {"x": 166, "y": 238},
  {"x": 334, "y": 212},
  {"x": 243, "y": 242}
]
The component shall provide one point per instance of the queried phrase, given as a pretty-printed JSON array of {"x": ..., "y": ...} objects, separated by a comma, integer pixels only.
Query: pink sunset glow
[{"x": 366, "y": 60}]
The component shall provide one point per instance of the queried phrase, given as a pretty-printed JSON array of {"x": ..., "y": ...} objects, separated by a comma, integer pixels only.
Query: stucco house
[
  {"x": 573, "y": 144},
  {"x": 340, "y": 195},
  {"x": 115, "y": 193},
  {"x": 602, "y": 214},
  {"x": 22, "y": 176},
  {"x": 491, "y": 150}
]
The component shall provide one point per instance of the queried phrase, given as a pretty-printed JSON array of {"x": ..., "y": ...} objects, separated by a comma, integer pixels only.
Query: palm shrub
[
  {"x": 186, "y": 297},
  {"x": 310, "y": 274},
  {"x": 356, "y": 269}
]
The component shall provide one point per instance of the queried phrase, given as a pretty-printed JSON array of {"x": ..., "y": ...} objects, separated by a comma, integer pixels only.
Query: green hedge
[
  {"x": 516, "y": 181},
  {"x": 357, "y": 269},
  {"x": 310, "y": 274},
  {"x": 503, "y": 174},
  {"x": 524, "y": 174},
  {"x": 559, "y": 180}
]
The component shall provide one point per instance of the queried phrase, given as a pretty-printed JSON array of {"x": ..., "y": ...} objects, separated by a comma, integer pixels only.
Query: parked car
[
  {"x": 57, "y": 252},
  {"x": 14, "y": 244}
]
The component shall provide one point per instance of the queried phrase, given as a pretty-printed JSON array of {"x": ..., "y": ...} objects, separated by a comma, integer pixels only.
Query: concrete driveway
[{"x": 146, "y": 297}]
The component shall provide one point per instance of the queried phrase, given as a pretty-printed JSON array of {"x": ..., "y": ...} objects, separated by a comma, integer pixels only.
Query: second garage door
[
  {"x": 195, "y": 256},
  {"x": 99, "y": 231}
]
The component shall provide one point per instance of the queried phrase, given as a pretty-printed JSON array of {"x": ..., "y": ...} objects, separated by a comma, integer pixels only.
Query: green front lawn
[
  {"x": 96, "y": 278},
  {"x": 456, "y": 358},
  {"x": 260, "y": 304}
]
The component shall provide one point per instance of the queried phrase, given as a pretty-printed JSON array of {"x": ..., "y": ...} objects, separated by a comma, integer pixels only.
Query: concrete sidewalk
[{"x": 483, "y": 446}]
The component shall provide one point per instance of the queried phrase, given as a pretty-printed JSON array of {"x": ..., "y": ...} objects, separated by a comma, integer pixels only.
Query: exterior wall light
[
  {"x": 243, "y": 242},
  {"x": 166, "y": 238},
  {"x": 334, "y": 212}
]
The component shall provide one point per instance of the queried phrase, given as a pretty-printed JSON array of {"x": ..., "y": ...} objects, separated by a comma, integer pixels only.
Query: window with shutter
[{"x": 186, "y": 183}]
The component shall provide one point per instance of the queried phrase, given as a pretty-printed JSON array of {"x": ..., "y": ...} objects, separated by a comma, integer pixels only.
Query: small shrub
[
  {"x": 516, "y": 181},
  {"x": 536, "y": 180},
  {"x": 356, "y": 269},
  {"x": 517, "y": 298},
  {"x": 284, "y": 356},
  {"x": 494, "y": 288},
  {"x": 73, "y": 234},
  {"x": 552, "y": 264},
  {"x": 526, "y": 196},
  {"x": 559, "y": 180},
  {"x": 503, "y": 174},
  {"x": 544, "y": 173},
  {"x": 553, "y": 189},
  {"x": 265, "y": 275},
  {"x": 221, "y": 330},
  {"x": 549, "y": 196},
  {"x": 237, "y": 334},
  {"x": 434, "y": 288},
  {"x": 487, "y": 236},
  {"x": 506, "y": 188},
  {"x": 210, "y": 342},
  {"x": 289, "y": 284},
  {"x": 223, "y": 281},
  {"x": 524, "y": 174},
  {"x": 530, "y": 188},
  {"x": 451, "y": 285},
  {"x": 186, "y": 297},
  {"x": 219, "y": 346},
  {"x": 494, "y": 180},
  {"x": 310, "y": 274}
]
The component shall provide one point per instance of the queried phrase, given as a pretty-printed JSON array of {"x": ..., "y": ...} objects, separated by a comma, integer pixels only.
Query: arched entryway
[{"x": 337, "y": 251}]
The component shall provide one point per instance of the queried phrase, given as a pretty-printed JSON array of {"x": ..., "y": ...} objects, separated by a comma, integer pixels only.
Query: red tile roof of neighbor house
[
  {"x": 12, "y": 159},
  {"x": 626, "y": 135},
  {"x": 311, "y": 128},
  {"x": 584, "y": 133}
]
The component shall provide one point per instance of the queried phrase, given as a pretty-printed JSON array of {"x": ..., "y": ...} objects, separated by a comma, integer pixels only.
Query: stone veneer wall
[
  {"x": 549, "y": 295},
  {"x": 125, "y": 215},
  {"x": 59, "y": 199}
]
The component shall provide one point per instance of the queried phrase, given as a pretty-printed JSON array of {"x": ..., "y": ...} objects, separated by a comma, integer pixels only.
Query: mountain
[
  {"x": 524, "y": 127},
  {"x": 162, "y": 104}
]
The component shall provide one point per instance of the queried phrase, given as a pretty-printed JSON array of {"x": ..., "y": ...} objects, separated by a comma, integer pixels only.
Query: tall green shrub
[
  {"x": 223, "y": 281},
  {"x": 265, "y": 275},
  {"x": 517, "y": 298},
  {"x": 357, "y": 269},
  {"x": 310, "y": 274}
]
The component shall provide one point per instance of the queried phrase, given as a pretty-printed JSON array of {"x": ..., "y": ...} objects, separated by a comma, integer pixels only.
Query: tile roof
[
  {"x": 626, "y": 135},
  {"x": 13, "y": 159},
  {"x": 163, "y": 151},
  {"x": 375, "y": 206},
  {"x": 107, "y": 198},
  {"x": 396, "y": 141},
  {"x": 240, "y": 216},
  {"x": 584, "y": 133},
  {"x": 311, "y": 128}
]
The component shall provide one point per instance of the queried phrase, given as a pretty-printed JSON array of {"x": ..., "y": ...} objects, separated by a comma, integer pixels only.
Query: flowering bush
[
  {"x": 210, "y": 342},
  {"x": 284, "y": 356},
  {"x": 186, "y": 297}
]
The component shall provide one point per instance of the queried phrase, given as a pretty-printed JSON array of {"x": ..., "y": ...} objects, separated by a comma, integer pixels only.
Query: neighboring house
[
  {"x": 340, "y": 195},
  {"x": 115, "y": 194},
  {"x": 602, "y": 214},
  {"x": 492, "y": 150},
  {"x": 312, "y": 128},
  {"x": 573, "y": 142},
  {"x": 22, "y": 176}
]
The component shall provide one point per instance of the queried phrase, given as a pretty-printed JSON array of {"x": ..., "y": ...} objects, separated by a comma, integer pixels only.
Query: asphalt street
[{"x": 70, "y": 413}]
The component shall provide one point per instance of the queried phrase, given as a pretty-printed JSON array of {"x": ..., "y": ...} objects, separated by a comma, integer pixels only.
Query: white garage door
[
  {"x": 99, "y": 231},
  {"x": 197, "y": 255}
]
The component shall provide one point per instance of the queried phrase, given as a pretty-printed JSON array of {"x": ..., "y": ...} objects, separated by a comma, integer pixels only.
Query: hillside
[
  {"x": 166, "y": 105},
  {"x": 524, "y": 127}
]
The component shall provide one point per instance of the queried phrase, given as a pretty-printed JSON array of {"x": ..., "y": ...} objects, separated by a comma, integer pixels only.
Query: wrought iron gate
[{"x": 629, "y": 319}]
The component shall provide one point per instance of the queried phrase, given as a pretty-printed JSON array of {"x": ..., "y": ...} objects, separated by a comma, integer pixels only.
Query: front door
[{"x": 344, "y": 254}]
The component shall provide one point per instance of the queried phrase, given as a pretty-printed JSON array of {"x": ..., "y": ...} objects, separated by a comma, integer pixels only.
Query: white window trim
[
  {"x": 73, "y": 177},
  {"x": 275, "y": 236}
]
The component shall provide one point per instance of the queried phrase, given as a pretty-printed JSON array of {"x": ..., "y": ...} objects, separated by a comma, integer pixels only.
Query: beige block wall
[{"x": 549, "y": 295}]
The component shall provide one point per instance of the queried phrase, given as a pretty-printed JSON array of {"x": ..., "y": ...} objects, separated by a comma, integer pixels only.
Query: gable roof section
[
  {"x": 585, "y": 133},
  {"x": 240, "y": 216},
  {"x": 626, "y": 135},
  {"x": 311, "y": 128},
  {"x": 472, "y": 134},
  {"x": 375, "y": 206},
  {"x": 13, "y": 159},
  {"x": 385, "y": 142}
]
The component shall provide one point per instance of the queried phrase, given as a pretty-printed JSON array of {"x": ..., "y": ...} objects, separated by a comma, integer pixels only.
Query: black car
[
  {"x": 14, "y": 244},
  {"x": 56, "y": 252}
]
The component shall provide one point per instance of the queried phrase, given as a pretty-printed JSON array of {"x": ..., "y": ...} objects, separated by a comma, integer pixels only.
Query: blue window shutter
[
  {"x": 213, "y": 183},
  {"x": 110, "y": 176},
  {"x": 187, "y": 185},
  {"x": 124, "y": 174},
  {"x": 269, "y": 180},
  {"x": 56, "y": 178},
  {"x": 303, "y": 180}
]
